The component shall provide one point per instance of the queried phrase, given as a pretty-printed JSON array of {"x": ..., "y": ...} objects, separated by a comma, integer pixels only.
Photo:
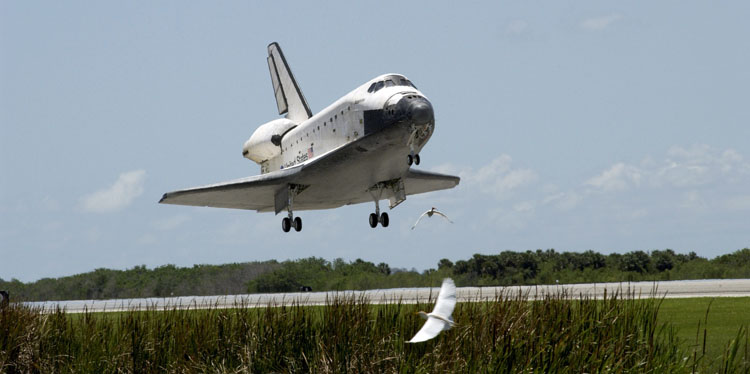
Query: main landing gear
[
  {"x": 291, "y": 221},
  {"x": 376, "y": 218},
  {"x": 288, "y": 222},
  {"x": 377, "y": 192}
]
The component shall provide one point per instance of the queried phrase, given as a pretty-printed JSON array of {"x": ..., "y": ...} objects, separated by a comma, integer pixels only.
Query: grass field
[
  {"x": 724, "y": 318},
  {"x": 508, "y": 335}
]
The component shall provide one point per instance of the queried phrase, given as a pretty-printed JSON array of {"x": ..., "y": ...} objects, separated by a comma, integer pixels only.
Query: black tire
[
  {"x": 384, "y": 220},
  {"x": 286, "y": 224},
  {"x": 298, "y": 224},
  {"x": 410, "y": 160},
  {"x": 373, "y": 220},
  {"x": 416, "y": 159}
]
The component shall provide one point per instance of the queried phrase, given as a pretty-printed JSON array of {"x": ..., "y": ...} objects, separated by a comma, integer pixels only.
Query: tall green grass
[{"x": 507, "y": 335}]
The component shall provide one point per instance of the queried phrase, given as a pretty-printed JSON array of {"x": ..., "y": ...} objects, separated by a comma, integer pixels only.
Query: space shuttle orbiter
[{"x": 359, "y": 149}]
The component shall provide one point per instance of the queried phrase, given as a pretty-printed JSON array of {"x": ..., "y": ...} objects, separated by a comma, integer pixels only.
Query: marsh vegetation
[{"x": 505, "y": 335}]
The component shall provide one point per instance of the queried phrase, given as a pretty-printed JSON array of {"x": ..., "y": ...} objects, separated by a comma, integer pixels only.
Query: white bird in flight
[
  {"x": 440, "y": 319},
  {"x": 429, "y": 213}
]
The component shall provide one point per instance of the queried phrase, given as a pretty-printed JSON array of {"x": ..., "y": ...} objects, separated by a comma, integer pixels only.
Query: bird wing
[
  {"x": 443, "y": 215},
  {"x": 431, "y": 329},
  {"x": 446, "y": 300},
  {"x": 420, "y": 218}
]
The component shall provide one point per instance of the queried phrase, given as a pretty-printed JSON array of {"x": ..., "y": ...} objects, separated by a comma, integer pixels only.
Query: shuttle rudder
[{"x": 289, "y": 97}]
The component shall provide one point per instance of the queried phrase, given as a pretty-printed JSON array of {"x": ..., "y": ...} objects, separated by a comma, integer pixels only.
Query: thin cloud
[
  {"x": 696, "y": 178},
  {"x": 500, "y": 186},
  {"x": 563, "y": 200},
  {"x": 515, "y": 179},
  {"x": 525, "y": 207},
  {"x": 699, "y": 165},
  {"x": 129, "y": 185},
  {"x": 599, "y": 23},
  {"x": 683, "y": 168},
  {"x": 499, "y": 177},
  {"x": 617, "y": 178}
]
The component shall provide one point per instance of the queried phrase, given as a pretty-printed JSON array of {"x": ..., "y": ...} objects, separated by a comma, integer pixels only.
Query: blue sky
[{"x": 612, "y": 126}]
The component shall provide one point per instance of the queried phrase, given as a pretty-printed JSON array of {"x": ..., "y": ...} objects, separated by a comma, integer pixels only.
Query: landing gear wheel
[
  {"x": 410, "y": 160},
  {"x": 384, "y": 219},
  {"x": 286, "y": 224},
  {"x": 416, "y": 159},
  {"x": 373, "y": 220},
  {"x": 298, "y": 224}
]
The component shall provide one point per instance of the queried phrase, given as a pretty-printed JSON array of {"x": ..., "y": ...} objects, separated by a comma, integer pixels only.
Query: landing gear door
[
  {"x": 281, "y": 199},
  {"x": 399, "y": 194}
]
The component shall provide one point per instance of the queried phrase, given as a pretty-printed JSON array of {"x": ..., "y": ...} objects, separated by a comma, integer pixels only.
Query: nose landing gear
[
  {"x": 417, "y": 133},
  {"x": 413, "y": 159}
]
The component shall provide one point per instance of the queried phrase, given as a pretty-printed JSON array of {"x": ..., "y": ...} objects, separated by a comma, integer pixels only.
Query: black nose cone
[
  {"x": 420, "y": 112},
  {"x": 417, "y": 109}
]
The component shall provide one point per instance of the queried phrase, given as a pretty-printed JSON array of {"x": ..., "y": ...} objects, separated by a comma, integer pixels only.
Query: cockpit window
[
  {"x": 390, "y": 81},
  {"x": 406, "y": 82}
]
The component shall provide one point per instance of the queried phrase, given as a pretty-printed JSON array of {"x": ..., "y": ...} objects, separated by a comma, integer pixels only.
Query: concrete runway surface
[{"x": 668, "y": 289}]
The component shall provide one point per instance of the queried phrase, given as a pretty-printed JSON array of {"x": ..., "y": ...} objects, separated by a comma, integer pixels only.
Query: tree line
[
  {"x": 162, "y": 281},
  {"x": 503, "y": 269}
]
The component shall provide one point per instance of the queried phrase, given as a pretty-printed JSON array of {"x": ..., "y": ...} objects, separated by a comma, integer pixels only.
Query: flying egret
[
  {"x": 429, "y": 213},
  {"x": 440, "y": 319}
]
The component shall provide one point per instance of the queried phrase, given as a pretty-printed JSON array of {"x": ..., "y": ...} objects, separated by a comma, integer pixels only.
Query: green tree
[
  {"x": 384, "y": 268},
  {"x": 663, "y": 260},
  {"x": 636, "y": 261},
  {"x": 445, "y": 264}
]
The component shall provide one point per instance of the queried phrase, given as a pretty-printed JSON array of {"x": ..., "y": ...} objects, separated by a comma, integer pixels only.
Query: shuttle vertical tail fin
[{"x": 289, "y": 98}]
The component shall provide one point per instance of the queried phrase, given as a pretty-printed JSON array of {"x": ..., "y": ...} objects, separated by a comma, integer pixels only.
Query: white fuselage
[{"x": 335, "y": 126}]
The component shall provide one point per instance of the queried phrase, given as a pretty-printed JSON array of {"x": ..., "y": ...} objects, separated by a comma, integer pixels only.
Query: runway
[{"x": 666, "y": 289}]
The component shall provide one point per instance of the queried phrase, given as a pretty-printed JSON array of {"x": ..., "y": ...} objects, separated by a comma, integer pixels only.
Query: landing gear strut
[
  {"x": 378, "y": 217},
  {"x": 291, "y": 221}
]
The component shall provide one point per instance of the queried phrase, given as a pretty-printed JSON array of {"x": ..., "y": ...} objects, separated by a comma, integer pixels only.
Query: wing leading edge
[
  {"x": 252, "y": 193},
  {"x": 417, "y": 181}
]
